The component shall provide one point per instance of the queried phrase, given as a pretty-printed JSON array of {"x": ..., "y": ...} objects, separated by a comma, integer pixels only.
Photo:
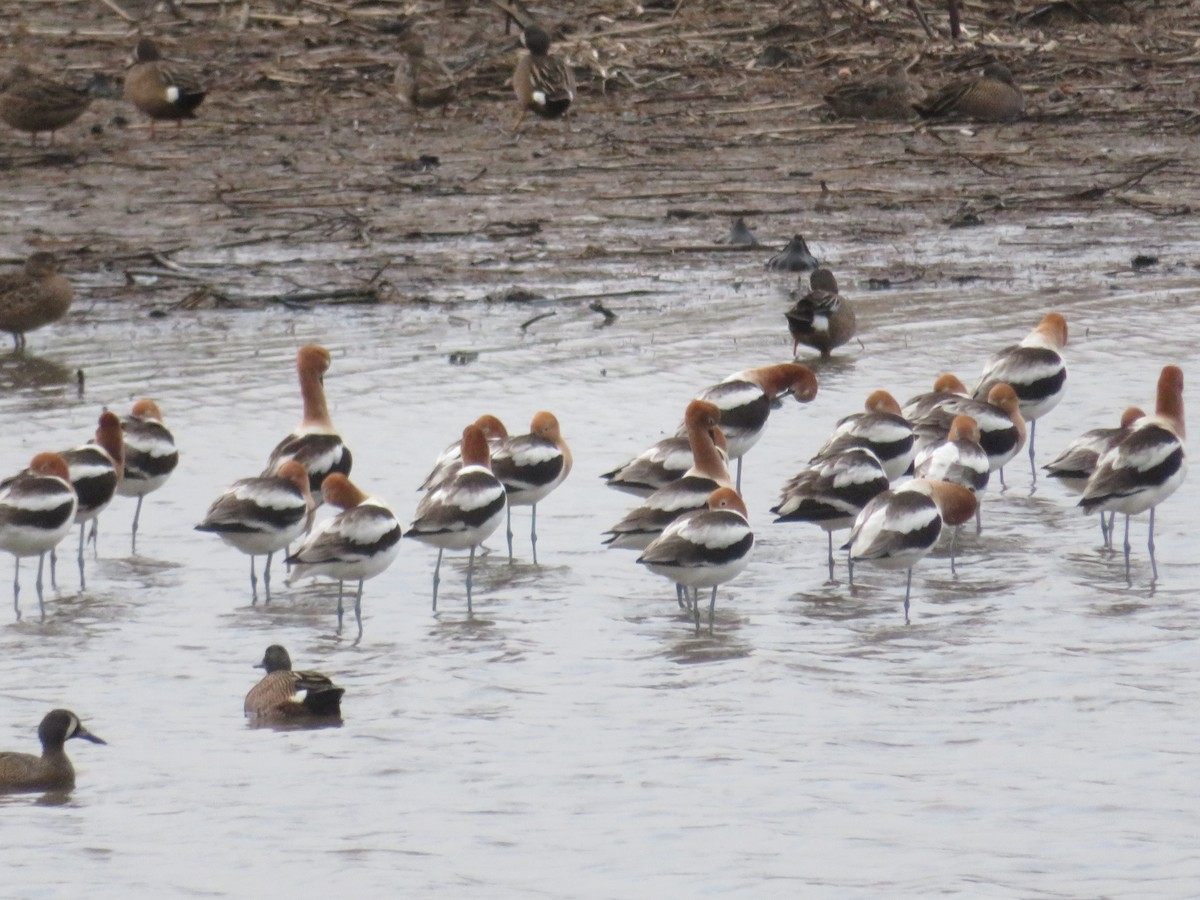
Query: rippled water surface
[{"x": 1033, "y": 732}]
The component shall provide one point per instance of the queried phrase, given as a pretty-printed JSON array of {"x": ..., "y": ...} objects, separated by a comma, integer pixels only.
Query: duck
[
  {"x": 52, "y": 771},
  {"x": 543, "y": 82},
  {"x": 889, "y": 97},
  {"x": 161, "y": 91},
  {"x": 992, "y": 96},
  {"x": 794, "y": 257},
  {"x": 704, "y": 549},
  {"x": 422, "y": 81},
  {"x": 822, "y": 318},
  {"x": 34, "y": 103},
  {"x": 273, "y": 698},
  {"x": 150, "y": 455},
  {"x": 36, "y": 295}
]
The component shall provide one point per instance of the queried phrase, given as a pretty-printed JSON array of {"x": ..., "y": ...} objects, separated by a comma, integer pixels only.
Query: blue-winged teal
[
  {"x": 795, "y": 257},
  {"x": 273, "y": 698},
  {"x": 150, "y": 455},
  {"x": 261, "y": 516},
  {"x": 160, "y": 90},
  {"x": 890, "y": 97},
  {"x": 822, "y": 318},
  {"x": 544, "y": 83},
  {"x": 993, "y": 96},
  {"x": 51, "y": 771},
  {"x": 36, "y": 295},
  {"x": 33, "y": 103},
  {"x": 423, "y": 81}
]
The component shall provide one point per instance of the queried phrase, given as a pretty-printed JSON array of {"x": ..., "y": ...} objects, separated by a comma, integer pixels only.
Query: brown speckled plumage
[
  {"x": 543, "y": 82},
  {"x": 159, "y": 90},
  {"x": 34, "y": 103},
  {"x": 273, "y": 698},
  {"x": 890, "y": 97},
  {"x": 993, "y": 96},
  {"x": 33, "y": 296}
]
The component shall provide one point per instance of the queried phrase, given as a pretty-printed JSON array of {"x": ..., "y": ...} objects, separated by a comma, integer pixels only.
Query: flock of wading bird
[{"x": 692, "y": 527}]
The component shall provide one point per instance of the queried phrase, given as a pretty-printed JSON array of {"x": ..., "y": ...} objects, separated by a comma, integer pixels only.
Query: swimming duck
[
  {"x": 34, "y": 103},
  {"x": 273, "y": 698},
  {"x": 159, "y": 90},
  {"x": 794, "y": 257},
  {"x": 822, "y": 318},
  {"x": 992, "y": 96},
  {"x": 35, "y": 296},
  {"x": 52, "y": 771},
  {"x": 544, "y": 83}
]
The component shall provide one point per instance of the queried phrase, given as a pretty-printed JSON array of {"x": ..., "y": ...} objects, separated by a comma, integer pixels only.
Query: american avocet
[
  {"x": 745, "y": 400},
  {"x": 315, "y": 443},
  {"x": 262, "y": 516},
  {"x": 881, "y": 429},
  {"x": 150, "y": 456},
  {"x": 273, "y": 699},
  {"x": 821, "y": 318},
  {"x": 653, "y": 468},
  {"x": 463, "y": 512},
  {"x": 1034, "y": 369},
  {"x": 1075, "y": 465},
  {"x": 1146, "y": 466},
  {"x": 96, "y": 470},
  {"x": 959, "y": 459},
  {"x": 708, "y": 472},
  {"x": 35, "y": 296},
  {"x": 705, "y": 548},
  {"x": 52, "y": 771},
  {"x": 37, "y": 510},
  {"x": 530, "y": 466},
  {"x": 899, "y": 527},
  {"x": 1001, "y": 427},
  {"x": 946, "y": 386},
  {"x": 832, "y": 490},
  {"x": 360, "y": 542},
  {"x": 449, "y": 460}
]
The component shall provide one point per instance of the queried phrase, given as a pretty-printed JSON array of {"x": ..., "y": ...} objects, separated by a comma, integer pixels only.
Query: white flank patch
[
  {"x": 172, "y": 94},
  {"x": 539, "y": 97}
]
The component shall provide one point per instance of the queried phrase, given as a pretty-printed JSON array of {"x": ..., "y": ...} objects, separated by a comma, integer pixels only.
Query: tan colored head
[
  {"x": 493, "y": 428},
  {"x": 882, "y": 402},
  {"x": 339, "y": 491},
  {"x": 51, "y": 465},
  {"x": 313, "y": 359},
  {"x": 1170, "y": 398},
  {"x": 949, "y": 383},
  {"x": 1054, "y": 327},
  {"x": 147, "y": 409},
  {"x": 475, "y": 451},
  {"x": 545, "y": 425},
  {"x": 111, "y": 437},
  {"x": 956, "y": 503},
  {"x": 701, "y": 415},
  {"x": 1131, "y": 415},
  {"x": 728, "y": 498},
  {"x": 964, "y": 428}
]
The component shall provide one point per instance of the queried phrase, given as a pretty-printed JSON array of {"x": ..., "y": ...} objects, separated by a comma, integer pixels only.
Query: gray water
[{"x": 1032, "y": 733}]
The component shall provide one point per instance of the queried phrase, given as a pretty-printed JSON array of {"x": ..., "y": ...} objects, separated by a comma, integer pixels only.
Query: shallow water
[{"x": 1031, "y": 733}]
